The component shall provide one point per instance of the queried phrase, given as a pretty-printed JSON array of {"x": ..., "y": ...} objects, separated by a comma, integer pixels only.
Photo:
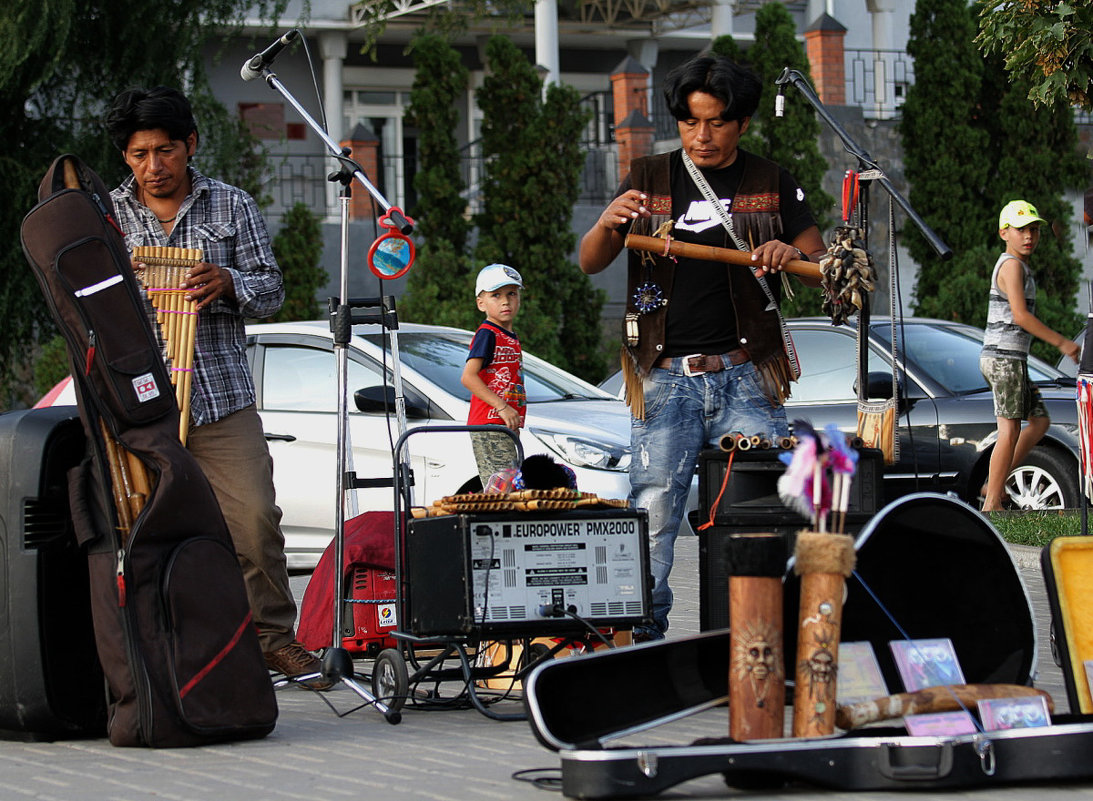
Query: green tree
[
  {"x": 789, "y": 140},
  {"x": 61, "y": 61},
  {"x": 946, "y": 156},
  {"x": 1035, "y": 156},
  {"x": 440, "y": 285},
  {"x": 298, "y": 247},
  {"x": 1021, "y": 151},
  {"x": 533, "y": 162},
  {"x": 1047, "y": 47}
]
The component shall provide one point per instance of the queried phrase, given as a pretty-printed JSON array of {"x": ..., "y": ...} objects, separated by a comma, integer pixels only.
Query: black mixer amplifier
[{"x": 532, "y": 572}]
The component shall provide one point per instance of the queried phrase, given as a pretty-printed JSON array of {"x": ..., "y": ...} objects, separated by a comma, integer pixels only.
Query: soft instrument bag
[{"x": 173, "y": 626}]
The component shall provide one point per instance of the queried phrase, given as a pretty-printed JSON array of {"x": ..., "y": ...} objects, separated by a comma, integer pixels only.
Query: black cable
[
  {"x": 542, "y": 778},
  {"x": 562, "y": 610}
]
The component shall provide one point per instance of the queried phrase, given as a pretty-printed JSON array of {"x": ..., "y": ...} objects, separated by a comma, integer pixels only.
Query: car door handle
[{"x": 281, "y": 437}]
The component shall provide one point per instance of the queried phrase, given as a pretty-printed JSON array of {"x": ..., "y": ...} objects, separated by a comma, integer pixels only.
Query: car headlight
[{"x": 583, "y": 452}]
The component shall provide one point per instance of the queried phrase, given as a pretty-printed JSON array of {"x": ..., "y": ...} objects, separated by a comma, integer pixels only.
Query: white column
[
  {"x": 721, "y": 20},
  {"x": 333, "y": 46},
  {"x": 546, "y": 40},
  {"x": 883, "y": 13}
]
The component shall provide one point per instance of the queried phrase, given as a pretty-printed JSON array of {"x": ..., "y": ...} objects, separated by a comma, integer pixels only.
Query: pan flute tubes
[
  {"x": 165, "y": 270},
  {"x": 755, "y": 563},
  {"x": 823, "y": 561}
]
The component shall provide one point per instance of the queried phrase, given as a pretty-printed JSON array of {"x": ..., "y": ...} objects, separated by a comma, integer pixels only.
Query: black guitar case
[
  {"x": 975, "y": 596},
  {"x": 172, "y": 623}
]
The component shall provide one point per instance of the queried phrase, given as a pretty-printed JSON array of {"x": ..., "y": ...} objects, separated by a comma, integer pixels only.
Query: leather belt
[{"x": 698, "y": 363}]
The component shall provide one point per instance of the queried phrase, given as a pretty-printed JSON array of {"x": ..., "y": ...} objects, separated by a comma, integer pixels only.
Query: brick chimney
[
  {"x": 633, "y": 128},
  {"x": 634, "y": 137},
  {"x": 824, "y": 47},
  {"x": 365, "y": 146}
]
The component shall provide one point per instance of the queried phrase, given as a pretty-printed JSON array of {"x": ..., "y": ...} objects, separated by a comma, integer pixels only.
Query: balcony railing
[{"x": 877, "y": 80}]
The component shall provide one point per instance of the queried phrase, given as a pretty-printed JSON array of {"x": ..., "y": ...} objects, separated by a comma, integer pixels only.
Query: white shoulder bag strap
[{"x": 726, "y": 221}]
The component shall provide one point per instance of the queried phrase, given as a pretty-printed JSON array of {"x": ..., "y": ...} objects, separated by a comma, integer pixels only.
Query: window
[{"x": 305, "y": 379}]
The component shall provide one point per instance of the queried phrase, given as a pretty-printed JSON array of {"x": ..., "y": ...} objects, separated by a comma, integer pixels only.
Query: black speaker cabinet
[
  {"x": 51, "y": 684},
  {"x": 526, "y": 573},
  {"x": 750, "y": 503},
  {"x": 752, "y": 487}
]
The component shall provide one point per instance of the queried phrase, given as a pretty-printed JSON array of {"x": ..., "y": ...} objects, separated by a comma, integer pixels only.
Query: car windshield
[
  {"x": 950, "y": 355},
  {"x": 441, "y": 357}
]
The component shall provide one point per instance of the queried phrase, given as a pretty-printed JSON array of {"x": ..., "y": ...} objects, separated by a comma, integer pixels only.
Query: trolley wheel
[{"x": 390, "y": 678}]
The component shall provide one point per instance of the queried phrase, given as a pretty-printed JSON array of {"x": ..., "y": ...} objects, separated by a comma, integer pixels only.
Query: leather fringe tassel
[
  {"x": 776, "y": 376},
  {"x": 633, "y": 382}
]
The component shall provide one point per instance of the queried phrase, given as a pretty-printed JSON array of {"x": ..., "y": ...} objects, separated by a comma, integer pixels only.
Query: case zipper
[{"x": 121, "y": 578}]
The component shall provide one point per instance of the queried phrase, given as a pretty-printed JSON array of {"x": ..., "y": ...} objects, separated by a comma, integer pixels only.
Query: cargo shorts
[{"x": 1015, "y": 396}]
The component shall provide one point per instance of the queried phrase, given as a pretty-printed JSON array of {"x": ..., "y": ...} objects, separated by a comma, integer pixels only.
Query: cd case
[{"x": 926, "y": 663}]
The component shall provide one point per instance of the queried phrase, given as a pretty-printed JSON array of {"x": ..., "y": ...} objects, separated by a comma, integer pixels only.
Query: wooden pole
[
  {"x": 757, "y": 674},
  {"x": 688, "y": 250}
]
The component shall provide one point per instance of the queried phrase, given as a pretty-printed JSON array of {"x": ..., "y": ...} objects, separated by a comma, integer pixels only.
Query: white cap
[{"x": 496, "y": 276}]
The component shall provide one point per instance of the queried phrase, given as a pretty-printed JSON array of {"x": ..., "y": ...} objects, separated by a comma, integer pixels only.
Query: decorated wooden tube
[
  {"x": 823, "y": 561},
  {"x": 755, "y": 563}
]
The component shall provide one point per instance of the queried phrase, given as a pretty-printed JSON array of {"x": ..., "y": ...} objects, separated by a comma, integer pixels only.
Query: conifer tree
[
  {"x": 533, "y": 162},
  {"x": 440, "y": 286},
  {"x": 298, "y": 248},
  {"x": 946, "y": 160},
  {"x": 1005, "y": 148}
]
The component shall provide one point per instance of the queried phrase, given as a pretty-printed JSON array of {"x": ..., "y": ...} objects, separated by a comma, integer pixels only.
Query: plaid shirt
[{"x": 225, "y": 223}]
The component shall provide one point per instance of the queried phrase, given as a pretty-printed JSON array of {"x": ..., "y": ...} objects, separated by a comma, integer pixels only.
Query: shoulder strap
[{"x": 726, "y": 222}]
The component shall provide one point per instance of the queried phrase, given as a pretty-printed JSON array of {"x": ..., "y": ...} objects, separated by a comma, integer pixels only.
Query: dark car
[{"x": 947, "y": 425}]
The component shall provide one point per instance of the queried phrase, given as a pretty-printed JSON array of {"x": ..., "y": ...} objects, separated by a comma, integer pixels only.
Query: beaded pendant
[{"x": 649, "y": 297}]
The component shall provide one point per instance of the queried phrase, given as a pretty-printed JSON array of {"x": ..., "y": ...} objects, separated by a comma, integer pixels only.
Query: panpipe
[{"x": 162, "y": 277}]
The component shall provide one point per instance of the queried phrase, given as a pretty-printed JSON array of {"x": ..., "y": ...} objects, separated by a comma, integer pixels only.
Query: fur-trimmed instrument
[
  {"x": 823, "y": 561},
  {"x": 945, "y": 698},
  {"x": 688, "y": 250},
  {"x": 162, "y": 277}
]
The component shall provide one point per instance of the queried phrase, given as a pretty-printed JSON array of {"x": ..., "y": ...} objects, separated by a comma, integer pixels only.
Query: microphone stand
[
  {"x": 337, "y": 663},
  {"x": 874, "y": 172},
  {"x": 870, "y": 172}
]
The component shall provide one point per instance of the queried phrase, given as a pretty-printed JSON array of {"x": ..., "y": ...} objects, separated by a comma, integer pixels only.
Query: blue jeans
[{"x": 683, "y": 415}]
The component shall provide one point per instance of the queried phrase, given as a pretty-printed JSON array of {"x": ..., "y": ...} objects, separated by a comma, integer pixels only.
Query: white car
[{"x": 295, "y": 376}]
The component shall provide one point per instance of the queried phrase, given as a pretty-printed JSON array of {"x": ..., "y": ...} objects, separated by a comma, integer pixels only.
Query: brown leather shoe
[{"x": 293, "y": 660}]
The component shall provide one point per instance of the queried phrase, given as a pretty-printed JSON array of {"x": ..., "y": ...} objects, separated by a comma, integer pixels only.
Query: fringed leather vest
[{"x": 757, "y": 219}]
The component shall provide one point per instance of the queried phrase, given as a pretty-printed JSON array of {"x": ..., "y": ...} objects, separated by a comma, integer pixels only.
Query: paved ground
[{"x": 436, "y": 755}]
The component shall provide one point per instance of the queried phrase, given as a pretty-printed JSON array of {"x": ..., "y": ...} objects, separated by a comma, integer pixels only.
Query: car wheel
[{"x": 1046, "y": 480}]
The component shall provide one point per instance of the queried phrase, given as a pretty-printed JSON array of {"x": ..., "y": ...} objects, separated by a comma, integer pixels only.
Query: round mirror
[{"x": 391, "y": 255}]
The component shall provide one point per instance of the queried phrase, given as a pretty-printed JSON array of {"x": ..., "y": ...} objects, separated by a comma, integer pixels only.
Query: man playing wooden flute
[
  {"x": 706, "y": 351},
  {"x": 166, "y": 202}
]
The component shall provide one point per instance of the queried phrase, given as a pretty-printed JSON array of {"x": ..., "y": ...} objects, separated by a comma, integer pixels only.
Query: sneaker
[
  {"x": 647, "y": 634},
  {"x": 294, "y": 660}
]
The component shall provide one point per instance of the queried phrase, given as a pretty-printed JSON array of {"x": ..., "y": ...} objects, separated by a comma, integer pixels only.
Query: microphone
[{"x": 253, "y": 68}]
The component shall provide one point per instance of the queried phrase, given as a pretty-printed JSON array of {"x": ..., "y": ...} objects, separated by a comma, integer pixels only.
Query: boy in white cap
[
  {"x": 1011, "y": 324},
  {"x": 494, "y": 370}
]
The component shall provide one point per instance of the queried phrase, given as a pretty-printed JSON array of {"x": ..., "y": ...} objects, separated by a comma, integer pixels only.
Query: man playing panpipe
[{"x": 166, "y": 202}]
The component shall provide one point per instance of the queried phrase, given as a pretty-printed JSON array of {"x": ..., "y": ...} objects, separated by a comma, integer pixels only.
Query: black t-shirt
[{"x": 701, "y": 318}]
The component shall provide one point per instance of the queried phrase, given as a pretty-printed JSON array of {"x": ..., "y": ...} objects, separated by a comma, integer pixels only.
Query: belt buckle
[{"x": 687, "y": 371}]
